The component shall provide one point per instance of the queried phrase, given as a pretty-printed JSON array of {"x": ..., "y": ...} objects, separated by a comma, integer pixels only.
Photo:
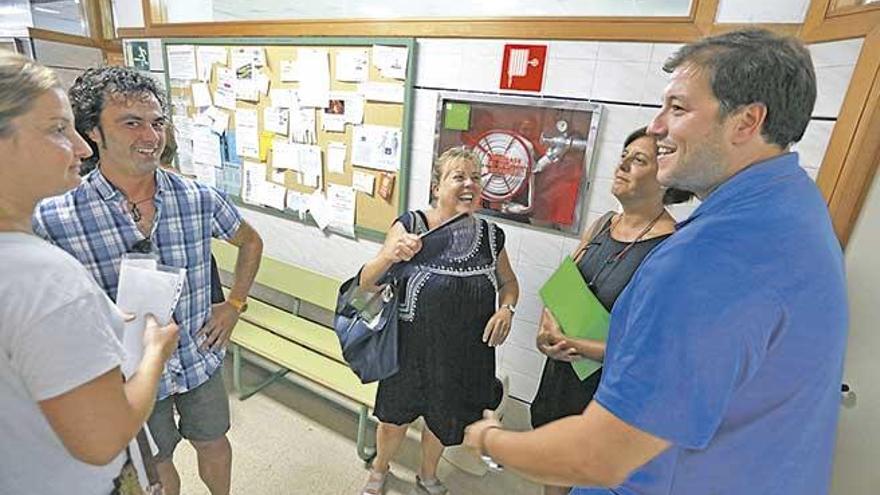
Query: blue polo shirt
[{"x": 729, "y": 343}]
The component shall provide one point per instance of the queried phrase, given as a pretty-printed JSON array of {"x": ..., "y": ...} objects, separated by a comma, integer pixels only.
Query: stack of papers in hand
[{"x": 145, "y": 287}]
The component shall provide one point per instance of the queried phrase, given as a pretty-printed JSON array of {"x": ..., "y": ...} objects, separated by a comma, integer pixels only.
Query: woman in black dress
[
  {"x": 608, "y": 255},
  {"x": 449, "y": 323}
]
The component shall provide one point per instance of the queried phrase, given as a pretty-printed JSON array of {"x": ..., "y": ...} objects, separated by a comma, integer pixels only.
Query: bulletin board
[{"x": 383, "y": 86}]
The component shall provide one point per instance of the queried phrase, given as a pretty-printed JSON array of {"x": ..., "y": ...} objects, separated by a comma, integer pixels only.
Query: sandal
[
  {"x": 375, "y": 483},
  {"x": 431, "y": 487}
]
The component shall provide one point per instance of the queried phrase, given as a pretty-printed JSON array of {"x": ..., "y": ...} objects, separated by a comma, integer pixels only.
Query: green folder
[{"x": 576, "y": 309}]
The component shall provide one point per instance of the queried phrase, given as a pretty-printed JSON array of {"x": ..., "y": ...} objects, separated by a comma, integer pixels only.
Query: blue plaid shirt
[{"x": 92, "y": 223}]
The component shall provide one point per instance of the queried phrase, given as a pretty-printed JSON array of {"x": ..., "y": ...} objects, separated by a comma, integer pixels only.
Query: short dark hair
[
  {"x": 89, "y": 94},
  {"x": 672, "y": 195},
  {"x": 757, "y": 66}
]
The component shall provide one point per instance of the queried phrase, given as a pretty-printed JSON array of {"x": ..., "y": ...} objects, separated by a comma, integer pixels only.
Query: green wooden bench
[{"x": 289, "y": 323}]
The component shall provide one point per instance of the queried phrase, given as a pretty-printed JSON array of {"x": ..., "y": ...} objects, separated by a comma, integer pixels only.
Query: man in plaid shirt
[{"x": 129, "y": 204}]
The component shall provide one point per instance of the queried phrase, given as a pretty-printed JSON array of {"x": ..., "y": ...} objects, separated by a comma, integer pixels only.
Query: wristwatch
[
  {"x": 510, "y": 308},
  {"x": 240, "y": 306},
  {"x": 484, "y": 456}
]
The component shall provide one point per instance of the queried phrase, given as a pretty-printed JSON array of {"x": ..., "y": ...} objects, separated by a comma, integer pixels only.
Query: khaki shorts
[{"x": 204, "y": 416}]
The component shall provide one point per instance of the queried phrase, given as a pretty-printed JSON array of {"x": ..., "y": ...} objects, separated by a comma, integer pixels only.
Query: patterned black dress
[
  {"x": 447, "y": 295},
  {"x": 561, "y": 393}
]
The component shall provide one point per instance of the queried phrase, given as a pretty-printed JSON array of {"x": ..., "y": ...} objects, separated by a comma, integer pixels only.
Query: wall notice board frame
[{"x": 373, "y": 214}]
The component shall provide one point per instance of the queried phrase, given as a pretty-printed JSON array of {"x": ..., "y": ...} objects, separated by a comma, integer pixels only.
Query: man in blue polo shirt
[{"x": 725, "y": 353}]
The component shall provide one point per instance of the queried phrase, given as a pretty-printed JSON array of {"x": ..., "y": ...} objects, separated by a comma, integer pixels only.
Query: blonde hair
[
  {"x": 21, "y": 82},
  {"x": 449, "y": 156}
]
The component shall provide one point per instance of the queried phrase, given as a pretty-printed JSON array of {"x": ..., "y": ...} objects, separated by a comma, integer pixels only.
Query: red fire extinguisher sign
[{"x": 523, "y": 67}]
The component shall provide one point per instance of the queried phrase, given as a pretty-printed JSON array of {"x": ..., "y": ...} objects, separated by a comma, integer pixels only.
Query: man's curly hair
[{"x": 90, "y": 92}]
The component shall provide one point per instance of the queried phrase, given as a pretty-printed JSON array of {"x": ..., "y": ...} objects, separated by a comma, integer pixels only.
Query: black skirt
[{"x": 561, "y": 393}]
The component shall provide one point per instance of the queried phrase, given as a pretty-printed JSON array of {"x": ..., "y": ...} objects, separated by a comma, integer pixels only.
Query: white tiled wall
[{"x": 625, "y": 77}]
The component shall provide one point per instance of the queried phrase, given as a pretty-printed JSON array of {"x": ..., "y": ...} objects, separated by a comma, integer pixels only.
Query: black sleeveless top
[
  {"x": 561, "y": 393},
  {"x": 606, "y": 276}
]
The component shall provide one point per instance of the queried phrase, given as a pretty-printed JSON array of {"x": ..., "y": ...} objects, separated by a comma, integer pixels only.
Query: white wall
[{"x": 855, "y": 468}]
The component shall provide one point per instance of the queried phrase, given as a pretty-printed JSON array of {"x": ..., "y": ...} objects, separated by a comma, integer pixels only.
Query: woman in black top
[
  {"x": 457, "y": 291},
  {"x": 608, "y": 255}
]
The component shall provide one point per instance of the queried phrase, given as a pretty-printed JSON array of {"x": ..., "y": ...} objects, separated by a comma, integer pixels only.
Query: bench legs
[
  {"x": 365, "y": 452},
  {"x": 245, "y": 393}
]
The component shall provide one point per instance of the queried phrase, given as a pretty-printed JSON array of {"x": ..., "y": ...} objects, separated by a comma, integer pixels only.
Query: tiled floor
[{"x": 291, "y": 440}]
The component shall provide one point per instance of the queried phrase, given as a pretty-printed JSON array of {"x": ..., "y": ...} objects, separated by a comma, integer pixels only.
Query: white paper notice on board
[
  {"x": 381, "y": 91},
  {"x": 219, "y": 119},
  {"x": 243, "y": 55},
  {"x": 275, "y": 119},
  {"x": 377, "y": 147},
  {"x": 206, "y": 57},
  {"x": 303, "y": 126},
  {"x": 363, "y": 182},
  {"x": 352, "y": 65},
  {"x": 332, "y": 122},
  {"x": 336, "y": 157},
  {"x": 201, "y": 95},
  {"x": 390, "y": 60},
  {"x": 253, "y": 182},
  {"x": 311, "y": 165},
  {"x": 205, "y": 174},
  {"x": 206, "y": 147},
  {"x": 341, "y": 201},
  {"x": 297, "y": 202},
  {"x": 274, "y": 196},
  {"x": 181, "y": 62},
  {"x": 289, "y": 71},
  {"x": 284, "y": 98},
  {"x": 286, "y": 155},
  {"x": 247, "y": 138},
  {"x": 319, "y": 209},
  {"x": 313, "y": 65},
  {"x": 224, "y": 95}
]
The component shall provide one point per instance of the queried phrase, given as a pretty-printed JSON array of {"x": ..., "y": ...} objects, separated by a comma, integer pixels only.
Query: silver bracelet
[{"x": 484, "y": 456}]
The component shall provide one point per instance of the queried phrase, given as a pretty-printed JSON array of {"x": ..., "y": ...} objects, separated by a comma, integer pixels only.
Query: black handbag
[{"x": 365, "y": 322}]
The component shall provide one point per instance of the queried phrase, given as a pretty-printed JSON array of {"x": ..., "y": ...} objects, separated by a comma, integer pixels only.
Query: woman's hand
[
  {"x": 549, "y": 332},
  {"x": 498, "y": 327},
  {"x": 401, "y": 247},
  {"x": 552, "y": 342},
  {"x": 560, "y": 351}
]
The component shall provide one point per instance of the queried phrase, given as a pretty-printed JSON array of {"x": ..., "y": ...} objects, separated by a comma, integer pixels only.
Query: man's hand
[
  {"x": 218, "y": 328},
  {"x": 475, "y": 433}
]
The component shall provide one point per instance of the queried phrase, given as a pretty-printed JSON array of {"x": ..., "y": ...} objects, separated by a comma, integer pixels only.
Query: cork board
[{"x": 373, "y": 212}]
